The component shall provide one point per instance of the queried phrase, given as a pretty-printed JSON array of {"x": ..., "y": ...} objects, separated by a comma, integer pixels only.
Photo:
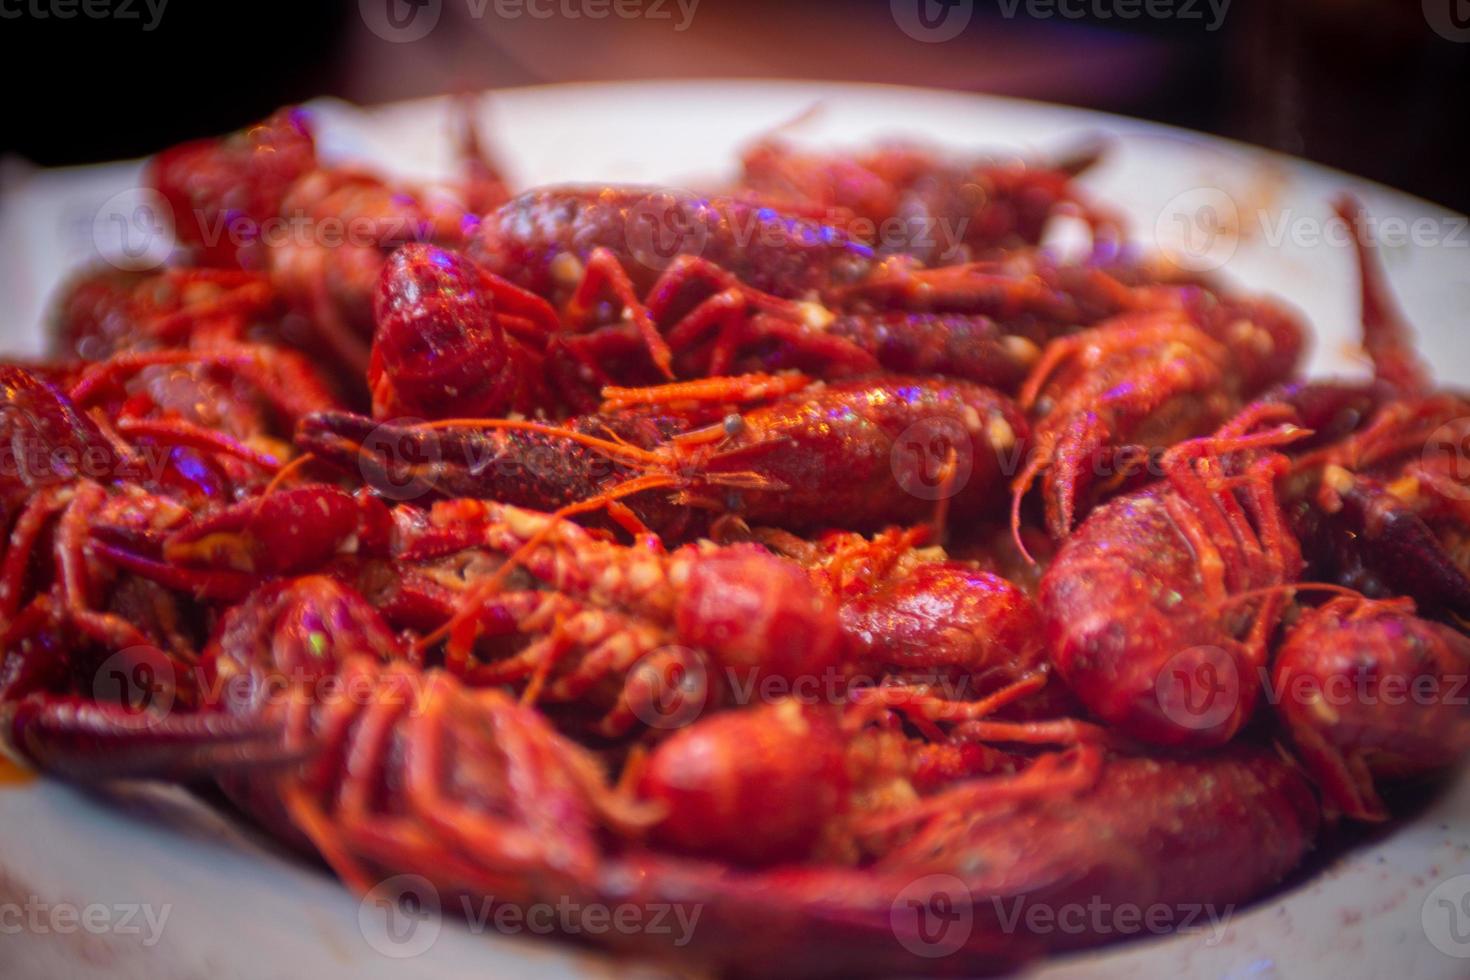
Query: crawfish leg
[{"x": 603, "y": 271}]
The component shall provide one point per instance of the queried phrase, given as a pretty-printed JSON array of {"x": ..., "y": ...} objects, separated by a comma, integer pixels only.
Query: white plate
[{"x": 236, "y": 907}]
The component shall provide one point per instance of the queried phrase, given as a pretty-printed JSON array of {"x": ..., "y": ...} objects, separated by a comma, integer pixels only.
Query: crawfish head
[
  {"x": 302, "y": 629},
  {"x": 438, "y": 350},
  {"x": 1150, "y": 607},
  {"x": 1369, "y": 690}
]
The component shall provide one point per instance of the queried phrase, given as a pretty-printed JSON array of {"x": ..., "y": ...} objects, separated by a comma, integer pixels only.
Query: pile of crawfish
[{"x": 761, "y": 552}]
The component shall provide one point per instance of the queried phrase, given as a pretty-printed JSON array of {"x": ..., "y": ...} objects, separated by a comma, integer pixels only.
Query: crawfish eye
[{"x": 734, "y": 424}]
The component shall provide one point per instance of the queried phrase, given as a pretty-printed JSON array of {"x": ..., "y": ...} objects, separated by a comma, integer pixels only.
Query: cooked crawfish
[
  {"x": 1173, "y": 581},
  {"x": 262, "y": 200},
  {"x": 1370, "y": 691},
  {"x": 862, "y": 452},
  {"x": 940, "y": 210},
  {"x": 711, "y": 491},
  {"x": 1141, "y": 382}
]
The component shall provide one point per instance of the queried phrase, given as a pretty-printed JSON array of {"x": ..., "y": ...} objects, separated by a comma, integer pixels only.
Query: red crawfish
[
  {"x": 103, "y": 312},
  {"x": 551, "y": 240},
  {"x": 1369, "y": 691},
  {"x": 1382, "y": 507},
  {"x": 735, "y": 285},
  {"x": 222, "y": 191},
  {"x": 860, "y": 453},
  {"x": 216, "y": 421},
  {"x": 914, "y": 200},
  {"x": 594, "y": 623},
  {"x": 261, "y": 199},
  {"x": 188, "y": 355},
  {"x": 451, "y": 340},
  {"x": 910, "y": 613},
  {"x": 303, "y": 675},
  {"x": 482, "y": 797},
  {"x": 1141, "y": 382},
  {"x": 1167, "y": 834},
  {"x": 452, "y": 337},
  {"x": 844, "y": 778},
  {"x": 87, "y": 506},
  {"x": 588, "y": 624},
  {"x": 1176, "y": 586}
]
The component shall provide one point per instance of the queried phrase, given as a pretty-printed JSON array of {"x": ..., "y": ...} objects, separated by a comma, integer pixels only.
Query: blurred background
[{"x": 1376, "y": 87}]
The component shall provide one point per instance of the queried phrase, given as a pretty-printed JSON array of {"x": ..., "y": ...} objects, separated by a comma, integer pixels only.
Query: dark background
[{"x": 1366, "y": 85}]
